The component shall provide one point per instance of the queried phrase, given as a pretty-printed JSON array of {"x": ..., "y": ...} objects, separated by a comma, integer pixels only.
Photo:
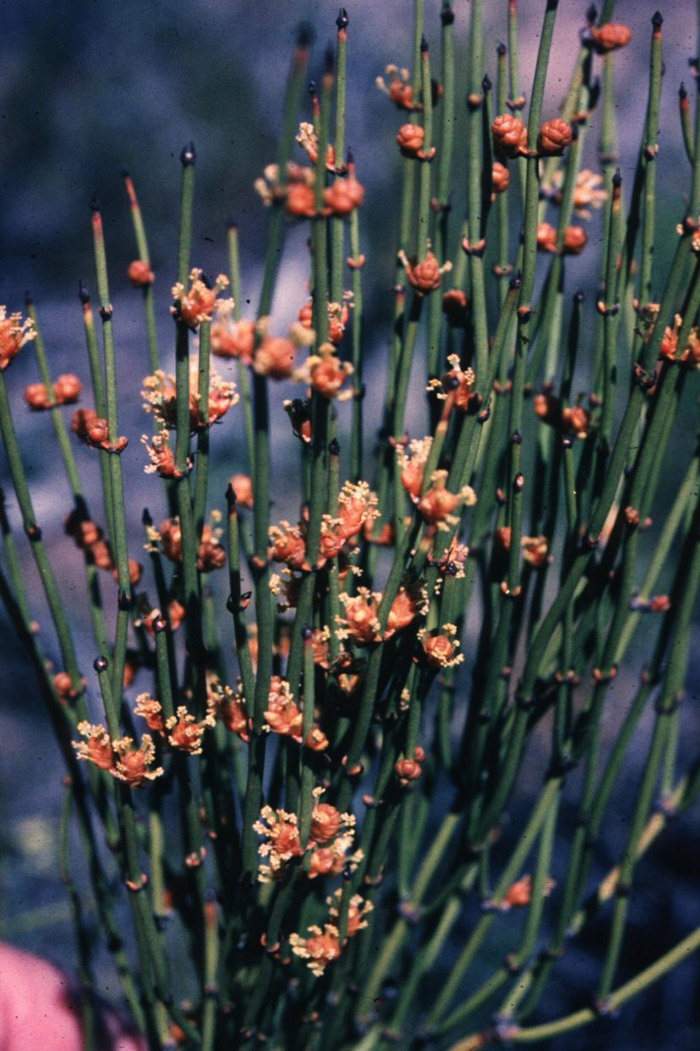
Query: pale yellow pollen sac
[
  {"x": 321, "y": 947},
  {"x": 97, "y": 747},
  {"x": 440, "y": 646},
  {"x": 281, "y": 841},
  {"x": 199, "y": 302},
  {"x": 185, "y": 733},
  {"x": 14, "y": 334},
  {"x": 134, "y": 764}
]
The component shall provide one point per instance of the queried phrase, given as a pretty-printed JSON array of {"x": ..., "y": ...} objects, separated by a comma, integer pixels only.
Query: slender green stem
[
  {"x": 337, "y": 222},
  {"x": 686, "y": 123},
  {"x": 465, "y": 958},
  {"x": 242, "y": 372},
  {"x": 202, "y": 475},
  {"x": 144, "y": 257},
  {"x": 80, "y": 503},
  {"x": 678, "y": 659},
  {"x": 118, "y": 525},
  {"x": 476, "y": 212},
  {"x": 82, "y": 936},
  {"x": 99, "y": 396},
  {"x": 617, "y": 998},
  {"x": 33, "y": 531}
]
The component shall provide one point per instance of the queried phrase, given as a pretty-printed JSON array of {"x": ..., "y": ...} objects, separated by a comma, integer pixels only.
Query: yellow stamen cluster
[{"x": 14, "y": 334}]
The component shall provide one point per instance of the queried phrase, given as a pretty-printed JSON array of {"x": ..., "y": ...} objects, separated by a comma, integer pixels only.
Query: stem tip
[
  {"x": 447, "y": 15},
  {"x": 342, "y": 19},
  {"x": 188, "y": 155}
]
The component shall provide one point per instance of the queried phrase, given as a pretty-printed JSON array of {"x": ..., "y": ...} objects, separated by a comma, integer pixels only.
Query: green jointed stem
[
  {"x": 14, "y": 567},
  {"x": 610, "y": 308},
  {"x": 210, "y": 989},
  {"x": 188, "y": 532},
  {"x": 525, "y": 843},
  {"x": 100, "y": 407},
  {"x": 118, "y": 537},
  {"x": 617, "y": 998},
  {"x": 649, "y": 153},
  {"x": 549, "y": 339},
  {"x": 136, "y": 219},
  {"x": 80, "y": 504},
  {"x": 61, "y": 720},
  {"x": 608, "y": 161},
  {"x": 151, "y": 957},
  {"x": 673, "y": 682},
  {"x": 515, "y": 480},
  {"x": 476, "y": 219},
  {"x": 337, "y": 222},
  {"x": 404, "y": 367},
  {"x": 686, "y": 493},
  {"x": 318, "y": 450},
  {"x": 447, "y": 115},
  {"x": 694, "y": 204},
  {"x": 242, "y": 372},
  {"x": 307, "y": 766},
  {"x": 517, "y": 101},
  {"x": 514, "y": 961},
  {"x": 56, "y": 418},
  {"x": 236, "y": 603},
  {"x": 686, "y": 123},
  {"x": 356, "y": 436},
  {"x": 532, "y": 982},
  {"x": 147, "y": 287},
  {"x": 82, "y": 935},
  {"x": 202, "y": 459},
  {"x": 392, "y": 943},
  {"x": 418, "y": 6},
  {"x": 614, "y": 469},
  {"x": 606, "y": 12},
  {"x": 261, "y": 483},
  {"x": 443, "y": 163},
  {"x": 501, "y": 266},
  {"x": 19, "y": 482},
  {"x": 368, "y": 699},
  {"x": 423, "y": 232},
  {"x": 182, "y": 376},
  {"x": 188, "y": 159}
]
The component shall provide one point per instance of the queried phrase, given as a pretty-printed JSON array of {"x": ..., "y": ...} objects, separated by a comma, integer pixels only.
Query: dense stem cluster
[{"x": 310, "y": 790}]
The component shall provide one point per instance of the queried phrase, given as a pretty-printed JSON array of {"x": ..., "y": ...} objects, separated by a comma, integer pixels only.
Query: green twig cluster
[{"x": 303, "y": 803}]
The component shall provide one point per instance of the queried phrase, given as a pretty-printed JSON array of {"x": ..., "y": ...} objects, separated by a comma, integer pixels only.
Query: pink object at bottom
[{"x": 39, "y": 1010}]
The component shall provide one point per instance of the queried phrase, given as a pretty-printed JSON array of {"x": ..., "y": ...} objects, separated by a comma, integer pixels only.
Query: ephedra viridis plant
[{"x": 290, "y": 763}]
